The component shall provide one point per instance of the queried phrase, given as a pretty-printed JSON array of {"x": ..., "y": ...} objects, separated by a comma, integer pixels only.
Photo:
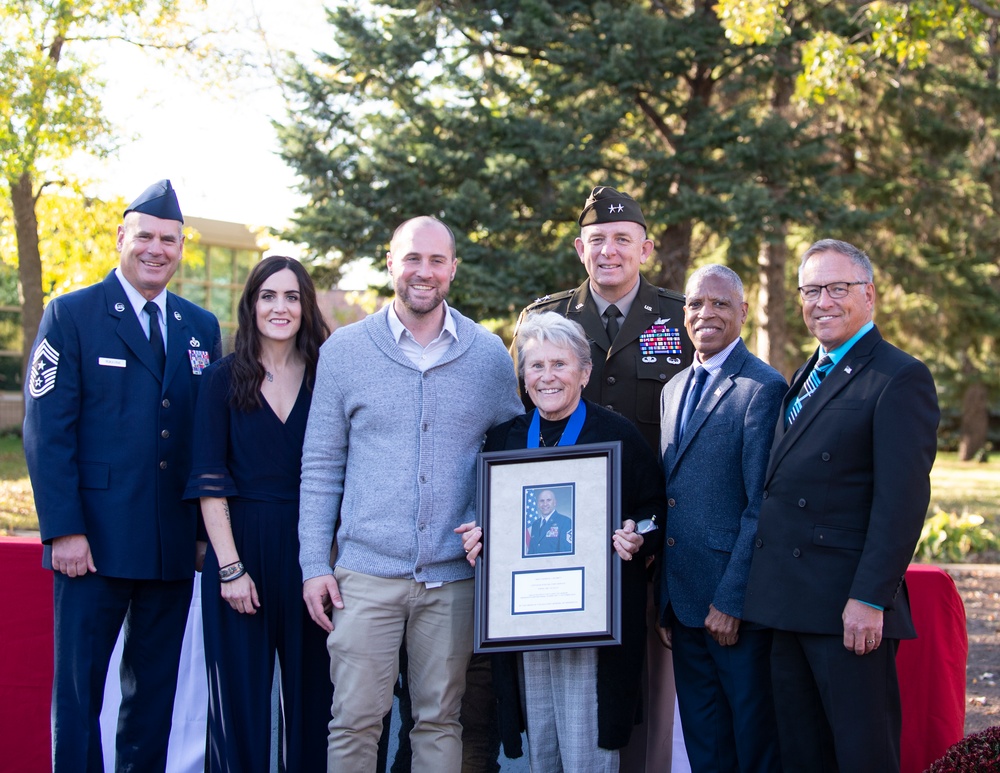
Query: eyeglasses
[{"x": 835, "y": 290}]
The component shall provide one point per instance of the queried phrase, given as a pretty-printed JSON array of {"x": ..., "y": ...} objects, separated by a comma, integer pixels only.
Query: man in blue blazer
[
  {"x": 714, "y": 441},
  {"x": 107, "y": 434},
  {"x": 845, "y": 495}
]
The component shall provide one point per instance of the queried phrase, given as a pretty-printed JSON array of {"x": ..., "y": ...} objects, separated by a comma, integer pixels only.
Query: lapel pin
[
  {"x": 195, "y": 342},
  {"x": 661, "y": 320},
  {"x": 119, "y": 307},
  {"x": 177, "y": 316},
  {"x": 847, "y": 370}
]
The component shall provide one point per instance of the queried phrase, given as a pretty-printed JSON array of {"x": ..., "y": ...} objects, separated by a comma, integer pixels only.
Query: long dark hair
[{"x": 247, "y": 371}]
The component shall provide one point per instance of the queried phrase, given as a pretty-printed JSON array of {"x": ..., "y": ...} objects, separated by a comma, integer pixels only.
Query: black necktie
[
  {"x": 155, "y": 335},
  {"x": 611, "y": 313},
  {"x": 693, "y": 396}
]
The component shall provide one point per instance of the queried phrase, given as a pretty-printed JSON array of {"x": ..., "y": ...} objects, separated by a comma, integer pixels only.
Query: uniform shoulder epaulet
[
  {"x": 548, "y": 300},
  {"x": 672, "y": 294}
]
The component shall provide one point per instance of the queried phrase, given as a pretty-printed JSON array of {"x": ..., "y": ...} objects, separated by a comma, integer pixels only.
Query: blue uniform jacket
[{"x": 108, "y": 443}]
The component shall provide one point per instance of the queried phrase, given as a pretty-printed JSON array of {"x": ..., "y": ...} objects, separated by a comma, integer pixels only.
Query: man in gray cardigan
[{"x": 400, "y": 407}]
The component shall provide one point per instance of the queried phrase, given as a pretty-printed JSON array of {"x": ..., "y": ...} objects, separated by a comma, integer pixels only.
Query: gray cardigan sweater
[{"x": 392, "y": 451}]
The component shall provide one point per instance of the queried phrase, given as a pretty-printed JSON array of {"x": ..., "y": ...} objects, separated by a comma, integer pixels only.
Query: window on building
[{"x": 213, "y": 276}]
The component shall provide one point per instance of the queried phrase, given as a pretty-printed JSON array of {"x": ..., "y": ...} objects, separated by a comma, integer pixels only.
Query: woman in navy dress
[{"x": 250, "y": 422}]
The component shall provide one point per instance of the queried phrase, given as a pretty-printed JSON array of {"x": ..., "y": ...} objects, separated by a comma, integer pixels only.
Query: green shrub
[{"x": 952, "y": 538}]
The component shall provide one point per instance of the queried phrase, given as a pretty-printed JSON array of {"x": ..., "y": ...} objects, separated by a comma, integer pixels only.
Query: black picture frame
[{"x": 563, "y": 596}]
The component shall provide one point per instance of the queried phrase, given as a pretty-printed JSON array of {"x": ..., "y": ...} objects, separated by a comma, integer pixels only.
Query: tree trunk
[
  {"x": 673, "y": 257},
  {"x": 975, "y": 421},
  {"x": 769, "y": 311},
  {"x": 772, "y": 326},
  {"x": 29, "y": 262}
]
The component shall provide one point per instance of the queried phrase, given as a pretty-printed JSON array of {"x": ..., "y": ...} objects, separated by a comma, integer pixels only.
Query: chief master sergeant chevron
[{"x": 107, "y": 434}]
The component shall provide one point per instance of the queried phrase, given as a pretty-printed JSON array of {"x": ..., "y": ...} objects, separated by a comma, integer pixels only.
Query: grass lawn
[
  {"x": 972, "y": 487},
  {"x": 17, "y": 508},
  {"x": 957, "y": 487}
]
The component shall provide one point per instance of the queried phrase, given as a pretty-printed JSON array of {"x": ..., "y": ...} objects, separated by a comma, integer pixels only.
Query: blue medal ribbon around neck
[{"x": 569, "y": 435}]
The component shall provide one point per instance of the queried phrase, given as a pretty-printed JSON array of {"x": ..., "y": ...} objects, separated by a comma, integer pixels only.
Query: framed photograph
[{"x": 547, "y": 576}]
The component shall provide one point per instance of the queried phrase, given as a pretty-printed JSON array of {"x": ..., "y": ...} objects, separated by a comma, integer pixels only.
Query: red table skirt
[
  {"x": 932, "y": 669},
  {"x": 26, "y": 644}
]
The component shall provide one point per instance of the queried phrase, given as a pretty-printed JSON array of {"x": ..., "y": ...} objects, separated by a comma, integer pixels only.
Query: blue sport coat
[
  {"x": 715, "y": 480},
  {"x": 107, "y": 439}
]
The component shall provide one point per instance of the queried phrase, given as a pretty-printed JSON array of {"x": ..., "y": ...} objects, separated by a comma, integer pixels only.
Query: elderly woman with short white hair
[{"x": 579, "y": 704}]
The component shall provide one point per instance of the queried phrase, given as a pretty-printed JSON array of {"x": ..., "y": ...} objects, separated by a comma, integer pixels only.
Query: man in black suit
[
  {"x": 846, "y": 492},
  {"x": 107, "y": 435}
]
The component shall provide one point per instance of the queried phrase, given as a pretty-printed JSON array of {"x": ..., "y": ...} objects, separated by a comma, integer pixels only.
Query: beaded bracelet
[{"x": 231, "y": 571}]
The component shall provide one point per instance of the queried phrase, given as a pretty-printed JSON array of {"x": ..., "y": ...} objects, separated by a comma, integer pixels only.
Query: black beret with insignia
[
  {"x": 606, "y": 205},
  {"x": 158, "y": 200}
]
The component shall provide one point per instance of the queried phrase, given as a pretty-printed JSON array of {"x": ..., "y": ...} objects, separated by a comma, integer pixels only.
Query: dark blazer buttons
[
  {"x": 759, "y": 542},
  {"x": 796, "y": 552},
  {"x": 671, "y": 542},
  {"x": 611, "y": 380},
  {"x": 825, "y": 456},
  {"x": 802, "y": 503},
  {"x": 672, "y": 502},
  {"x": 765, "y": 493}
]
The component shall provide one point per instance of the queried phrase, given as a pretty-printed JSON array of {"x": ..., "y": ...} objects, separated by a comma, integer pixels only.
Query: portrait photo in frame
[
  {"x": 548, "y": 519},
  {"x": 565, "y": 591}
]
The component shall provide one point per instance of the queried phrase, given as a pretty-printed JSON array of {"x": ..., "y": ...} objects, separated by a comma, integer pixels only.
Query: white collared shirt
[
  {"x": 139, "y": 305},
  {"x": 423, "y": 357},
  {"x": 714, "y": 363}
]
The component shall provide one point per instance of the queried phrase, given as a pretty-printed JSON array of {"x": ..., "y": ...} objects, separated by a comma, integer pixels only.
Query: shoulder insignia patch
[{"x": 44, "y": 367}]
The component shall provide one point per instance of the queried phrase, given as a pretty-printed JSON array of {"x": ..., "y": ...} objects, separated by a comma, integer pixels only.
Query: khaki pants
[{"x": 364, "y": 662}]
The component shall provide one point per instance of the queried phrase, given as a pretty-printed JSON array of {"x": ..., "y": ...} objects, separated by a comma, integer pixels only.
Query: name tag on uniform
[{"x": 111, "y": 362}]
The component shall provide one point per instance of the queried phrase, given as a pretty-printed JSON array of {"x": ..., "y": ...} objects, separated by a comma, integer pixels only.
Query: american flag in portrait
[{"x": 530, "y": 514}]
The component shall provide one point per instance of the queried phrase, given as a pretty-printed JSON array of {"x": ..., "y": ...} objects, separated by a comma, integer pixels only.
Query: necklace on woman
[{"x": 541, "y": 438}]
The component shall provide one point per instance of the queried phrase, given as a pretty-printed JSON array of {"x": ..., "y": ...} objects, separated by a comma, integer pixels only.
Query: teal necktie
[{"x": 823, "y": 366}]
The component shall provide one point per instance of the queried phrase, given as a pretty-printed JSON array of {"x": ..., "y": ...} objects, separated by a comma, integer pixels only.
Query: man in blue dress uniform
[
  {"x": 552, "y": 532},
  {"x": 114, "y": 374}
]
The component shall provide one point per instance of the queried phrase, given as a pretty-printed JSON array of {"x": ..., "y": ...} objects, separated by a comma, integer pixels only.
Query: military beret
[
  {"x": 158, "y": 200},
  {"x": 606, "y": 205}
]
